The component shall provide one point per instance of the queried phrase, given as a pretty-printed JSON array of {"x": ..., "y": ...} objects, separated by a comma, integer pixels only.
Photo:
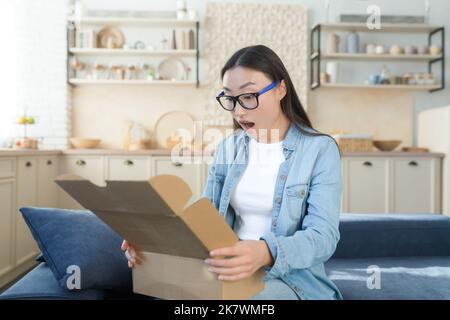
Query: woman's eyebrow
[{"x": 241, "y": 87}]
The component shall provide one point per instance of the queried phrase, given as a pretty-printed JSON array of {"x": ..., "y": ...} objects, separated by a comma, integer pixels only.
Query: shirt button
[
  {"x": 302, "y": 193},
  {"x": 274, "y": 223},
  {"x": 278, "y": 200},
  {"x": 296, "y": 289},
  {"x": 283, "y": 177}
]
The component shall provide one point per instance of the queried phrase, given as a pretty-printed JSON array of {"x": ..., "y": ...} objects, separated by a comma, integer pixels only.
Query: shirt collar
[{"x": 290, "y": 140}]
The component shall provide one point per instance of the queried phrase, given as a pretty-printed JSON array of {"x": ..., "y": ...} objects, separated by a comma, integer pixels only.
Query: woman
[{"x": 277, "y": 182}]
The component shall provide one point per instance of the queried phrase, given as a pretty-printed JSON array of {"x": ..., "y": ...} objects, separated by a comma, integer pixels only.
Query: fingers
[
  {"x": 124, "y": 245},
  {"x": 230, "y": 271},
  {"x": 227, "y": 251},
  {"x": 227, "y": 263}
]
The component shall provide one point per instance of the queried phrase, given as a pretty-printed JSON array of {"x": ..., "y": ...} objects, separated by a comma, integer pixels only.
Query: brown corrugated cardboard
[{"x": 173, "y": 238}]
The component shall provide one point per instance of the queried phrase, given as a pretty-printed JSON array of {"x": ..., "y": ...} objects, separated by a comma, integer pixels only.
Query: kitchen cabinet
[
  {"x": 191, "y": 172},
  {"x": 47, "y": 190},
  {"x": 391, "y": 184},
  {"x": 366, "y": 185},
  {"x": 416, "y": 185},
  {"x": 27, "y": 186},
  {"x": 7, "y": 208},
  {"x": 87, "y": 167},
  {"x": 128, "y": 168}
]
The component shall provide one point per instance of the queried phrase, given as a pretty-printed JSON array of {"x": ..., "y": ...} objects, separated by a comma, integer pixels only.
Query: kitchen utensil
[
  {"x": 353, "y": 42},
  {"x": 423, "y": 50},
  {"x": 333, "y": 43},
  {"x": 396, "y": 50},
  {"x": 435, "y": 50},
  {"x": 370, "y": 48},
  {"x": 332, "y": 69},
  {"x": 111, "y": 38},
  {"x": 415, "y": 149},
  {"x": 386, "y": 145},
  {"x": 175, "y": 125},
  {"x": 84, "y": 143},
  {"x": 379, "y": 49},
  {"x": 410, "y": 50},
  {"x": 172, "y": 69},
  {"x": 374, "y": 79}
]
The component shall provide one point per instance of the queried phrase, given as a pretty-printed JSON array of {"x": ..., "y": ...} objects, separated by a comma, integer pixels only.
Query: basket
[{"x": 354, "y": 143}]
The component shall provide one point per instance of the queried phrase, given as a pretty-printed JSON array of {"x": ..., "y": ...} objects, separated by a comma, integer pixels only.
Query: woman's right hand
[{"x": 130, "y": 253}]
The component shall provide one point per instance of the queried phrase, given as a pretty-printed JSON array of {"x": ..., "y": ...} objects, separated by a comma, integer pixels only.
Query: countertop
[{"x": 165, "y": 152}]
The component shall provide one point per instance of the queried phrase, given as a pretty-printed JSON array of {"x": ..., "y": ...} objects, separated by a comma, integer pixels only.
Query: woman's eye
[
  {"x": 228, "y": 99},
  {"x": 249, "y": 97}
]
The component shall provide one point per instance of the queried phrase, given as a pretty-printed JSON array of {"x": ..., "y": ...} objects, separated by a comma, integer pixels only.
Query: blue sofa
[{"x": 379, "y": 256}]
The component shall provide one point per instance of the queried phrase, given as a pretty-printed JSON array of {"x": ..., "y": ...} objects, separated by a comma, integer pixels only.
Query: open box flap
[{"x": 150, "y": 223}]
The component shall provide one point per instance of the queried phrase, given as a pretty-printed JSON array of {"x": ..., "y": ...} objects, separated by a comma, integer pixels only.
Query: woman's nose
[{"x": 239, "y": 110}]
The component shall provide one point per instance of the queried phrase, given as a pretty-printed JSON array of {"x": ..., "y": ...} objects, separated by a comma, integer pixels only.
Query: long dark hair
[{"x": 265, "y": 60}]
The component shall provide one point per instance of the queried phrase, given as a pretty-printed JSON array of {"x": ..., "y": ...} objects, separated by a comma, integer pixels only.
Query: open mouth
[{"x": 247, "y": 124}]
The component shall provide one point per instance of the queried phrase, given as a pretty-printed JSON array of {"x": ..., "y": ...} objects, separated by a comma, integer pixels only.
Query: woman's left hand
[{"x": 245, "y": 258}]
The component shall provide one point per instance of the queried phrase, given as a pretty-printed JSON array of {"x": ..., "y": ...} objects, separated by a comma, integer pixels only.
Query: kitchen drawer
[
  {"x": 87, "y": 167},
  {"x": 191, "y": 173},
  {"x": 127, "y": 168},
  {"x": 7, "y": 167}
]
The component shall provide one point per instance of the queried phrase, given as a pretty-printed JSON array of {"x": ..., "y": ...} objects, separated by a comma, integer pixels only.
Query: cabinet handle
[
  {"x": 80, "y": 162},
  {"x": 49, "y": 162},
  {"x": 28, "y": 164},
  {"x": 128, "y": 163},
  {"x": 177, "y": 164},
  {"x": 368, "y": 164},
  {"x": 413, "y": 164}
]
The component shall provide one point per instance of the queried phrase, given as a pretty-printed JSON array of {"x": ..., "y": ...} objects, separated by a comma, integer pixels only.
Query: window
[{"x": 7, "y": 70}]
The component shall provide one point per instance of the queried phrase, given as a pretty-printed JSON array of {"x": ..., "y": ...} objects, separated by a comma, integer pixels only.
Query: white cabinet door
[
  {"x": 416, "y": 185},
  {"x": 366, "y": 185},
  {"x": 7, "y": 208},
  {"x": 127, "y": 168},
  {"x": 7, "y": 168},
  {"x": 27, "y": 177},
  {"x": 47, "y": 188},
  {"x": 191, "y": 173},
  {"x": 87, "y": 167}
]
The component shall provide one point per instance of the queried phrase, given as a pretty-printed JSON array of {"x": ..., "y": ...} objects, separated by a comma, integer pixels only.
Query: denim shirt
[{"x": 306, "y": 207}]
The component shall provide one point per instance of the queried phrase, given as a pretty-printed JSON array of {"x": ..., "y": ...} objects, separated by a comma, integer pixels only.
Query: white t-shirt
[{"x": 252, "y": 197}]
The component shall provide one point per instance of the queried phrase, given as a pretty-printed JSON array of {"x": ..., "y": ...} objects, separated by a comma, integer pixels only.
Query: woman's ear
[{"x": 282, "y": 90}]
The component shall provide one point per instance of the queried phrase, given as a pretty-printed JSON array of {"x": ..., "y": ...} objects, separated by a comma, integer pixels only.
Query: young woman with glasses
[{"x": 277, "y": 182}]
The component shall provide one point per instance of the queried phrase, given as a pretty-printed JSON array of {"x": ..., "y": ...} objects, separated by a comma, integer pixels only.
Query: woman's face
[{"x": 267, "y": 119}]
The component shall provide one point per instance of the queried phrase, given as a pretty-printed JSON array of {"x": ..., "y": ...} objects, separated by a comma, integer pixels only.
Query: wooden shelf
[
  {"x": 376, "y": 57},
  {"x": 380, "y": 86},
  {"x": 131, "y": 21},
  {"x": 385, "y": 27},
  {"x": 131, "y": 52},
  {"x": 132, "y": 82}
]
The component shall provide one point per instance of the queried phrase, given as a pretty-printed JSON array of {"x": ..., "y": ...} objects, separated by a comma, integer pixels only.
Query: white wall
[
  {"x": 43, "y": 88},
  {"x": 41, "y": 70}
]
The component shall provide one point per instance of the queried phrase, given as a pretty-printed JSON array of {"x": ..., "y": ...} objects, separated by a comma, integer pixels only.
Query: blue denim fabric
[{"x": 306, "y": 207}]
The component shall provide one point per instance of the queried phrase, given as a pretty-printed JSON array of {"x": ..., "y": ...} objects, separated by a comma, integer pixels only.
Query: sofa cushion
[
  {"x": 393, "y": 235},
  {"x": 401, "y": 278},
  {"x": 69, "y": 238},
  {"x": 40, "y": 284}
]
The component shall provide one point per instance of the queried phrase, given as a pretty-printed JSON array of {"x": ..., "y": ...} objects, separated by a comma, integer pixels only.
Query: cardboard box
[{"x": 173, "y": 237}]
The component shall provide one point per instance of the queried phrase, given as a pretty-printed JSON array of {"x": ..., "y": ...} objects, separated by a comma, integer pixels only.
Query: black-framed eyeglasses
[{"x": 248, "y": 101}]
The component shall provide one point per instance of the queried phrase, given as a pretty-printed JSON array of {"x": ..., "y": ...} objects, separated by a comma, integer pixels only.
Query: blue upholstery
[
  {"x": 79, "y": 238},
  {"x": 401, "y": 278},
  {"x": 40, "y": 284},
  {"x": 393, "y": 235},
  {"x": 411, "y": 251}
]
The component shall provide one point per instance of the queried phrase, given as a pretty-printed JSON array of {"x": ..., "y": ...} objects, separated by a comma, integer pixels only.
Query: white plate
[
  {"x": 170, "y": 122},
  {"x": 172, "y": 69}
]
